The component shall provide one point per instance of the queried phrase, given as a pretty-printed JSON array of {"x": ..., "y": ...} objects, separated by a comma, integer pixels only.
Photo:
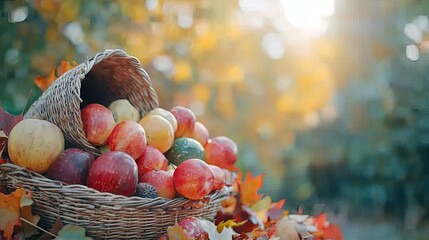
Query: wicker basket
[
  {"x": 104, "y": 215},
  {"x": 108, "y": 76}
]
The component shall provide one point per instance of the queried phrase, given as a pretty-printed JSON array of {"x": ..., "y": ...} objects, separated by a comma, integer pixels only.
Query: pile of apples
[{"x": 166, "y": 149}]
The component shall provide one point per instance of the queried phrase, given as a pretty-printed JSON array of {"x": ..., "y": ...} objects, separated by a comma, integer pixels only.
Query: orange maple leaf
[
  {"x": 10, "y": 210},
  {"x": 332, "y": 231},
  {"x": 320, "y": 221},
  {"x": 249, "y": 188},
  {"x": 44, "y": 82}
]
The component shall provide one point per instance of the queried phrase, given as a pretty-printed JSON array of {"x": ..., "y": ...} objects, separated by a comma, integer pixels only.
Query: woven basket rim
[{"x": 105, "y": 197}]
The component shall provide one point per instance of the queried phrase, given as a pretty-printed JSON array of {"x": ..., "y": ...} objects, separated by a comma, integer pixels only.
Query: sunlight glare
[{"x": 308, "y": 16}]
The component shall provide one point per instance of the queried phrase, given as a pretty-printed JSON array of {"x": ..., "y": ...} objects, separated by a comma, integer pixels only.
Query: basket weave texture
[
  {"x": 108, "y": 76},
  {"x": 104, "y": 215}
]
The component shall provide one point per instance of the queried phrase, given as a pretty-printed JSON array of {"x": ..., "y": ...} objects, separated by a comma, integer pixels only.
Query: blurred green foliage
[{"x": 338, "y": 118}]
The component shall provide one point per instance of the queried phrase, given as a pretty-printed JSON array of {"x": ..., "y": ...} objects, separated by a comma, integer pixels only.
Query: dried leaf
[
  {"x": 276, "y": 210},
  {"x": 44, "y": 82},
  {"x": 3, "y": 141},
  {"x": 228, "y": 224},
  {"x": 176, "y": 233},
  {"x": 320, "y": 221},
  {"x": 249, "y": 189},
  {"x": 10, "y": 210},
  {"x": 261, "y": 208},
  {"x": 333, "y": 232},
  {"x": 71, "y": 231},
  {"x": 8, "y": 121}
]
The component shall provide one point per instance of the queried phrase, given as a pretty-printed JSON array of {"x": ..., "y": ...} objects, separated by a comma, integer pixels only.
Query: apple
[
  {"x": 128, "y": 137},
  {"x": 193, "y": 228},
  {"x": 98, "y": 123},
  {"x": 122, "y": 110},
  {"x": 222, "y": 152},
  {"x": 200, "y": 133},
  {"x": 71, "y": 166},
  {"x": 159, "y": 132},
  {"x": 162, "y": 181},
  {"x": 35, "y": 144},
  {"x": 114, "y": 172},
  {"x": 185, "y": 120},
  {"x": 219, "y": 177},
  {"x": 151, "y": 159},
  {"x": 193, "y": 179},
  {"x": 167, "y": 115}
]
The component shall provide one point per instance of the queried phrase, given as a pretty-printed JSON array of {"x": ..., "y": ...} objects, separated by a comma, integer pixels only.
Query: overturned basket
[
  {"x": 108, "y": 76},
  {"x": 105, "y": 215}
]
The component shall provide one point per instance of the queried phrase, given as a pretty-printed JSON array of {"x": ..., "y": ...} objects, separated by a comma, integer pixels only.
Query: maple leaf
[
  {"x": 8, "y": 121},
  {"x": 3, "y": 141},
  {"x": 228, "y": 224},
  {"x": 276, "y": 210},
  {"x": 333, "y": 232},
  {"x": 176, "y": 233},
  {"x": 71, "y": 231},
  {"x": 320, "y": 221},
  {"x": 11, "y": 206},
  {"x": 44, "y": 82},
  {"x": 261, "y": 208},
  {"x": 249, "y": 188}
]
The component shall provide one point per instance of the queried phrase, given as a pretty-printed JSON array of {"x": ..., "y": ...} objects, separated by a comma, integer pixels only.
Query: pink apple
[
  {"x": 193, "y": 228},
  {"x": 162, "y": 181},
  {"x": 193, "y": 179},
  {"x": 185, "y": 120},
  {"x": 128, "y": 137},
  {"x": 222, "y": 152},
  {"x": 151, "y": 159},
  {"x": 98, "y": 123},
  {"x": 219, "y": 177},
  {"x": 200, "y": 133},
  {"x": 114, "y": 172}
]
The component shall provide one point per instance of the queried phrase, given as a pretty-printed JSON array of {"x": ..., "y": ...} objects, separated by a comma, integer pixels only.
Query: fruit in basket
[
  {"x": 200, "y": 133},
  {"x": 98, "y": 123},
  {"x": 114, "y": 172},
  {"x": 193, "y": 228},
  {"x": 183, "y": 149},
  {"x": 128, "y": 137},
  {"x": 162, "y": 181},
  {"x": 159, "y": 132},
  {"x": 71, "y": 166},
  {"x": 193, "y": 179},
  {"x": 145, "y": 190},
  {"x": 35, "y": 144},
  {"x": 167, "y": 115},
  {"x": 122, "y": 110},
  {"x": 221, "y": 151},
  {"x": 151, "y": 159},
  {"x": 219, "y": 177},
  {"x": 185, "y": 120}
]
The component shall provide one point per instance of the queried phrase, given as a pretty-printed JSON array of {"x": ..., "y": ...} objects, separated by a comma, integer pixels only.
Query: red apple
[
  {"x": 185, "y": 120},
  {"x": 200, "y": 133},
  {"x": 193, "y": 179},
  {"x": 151, "y": 159},
  {"x": 162, "y": 181},
  {"x": 114, "y": 172},
  {"x": 193, "y": 228},
  {"x": 128, "y": 137},
  {"x": 98, "y": 123},
  {"x": 222, "y": 152},
  {"x": 71, "y": 166},
  {"x": 219, "y": 177}
]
